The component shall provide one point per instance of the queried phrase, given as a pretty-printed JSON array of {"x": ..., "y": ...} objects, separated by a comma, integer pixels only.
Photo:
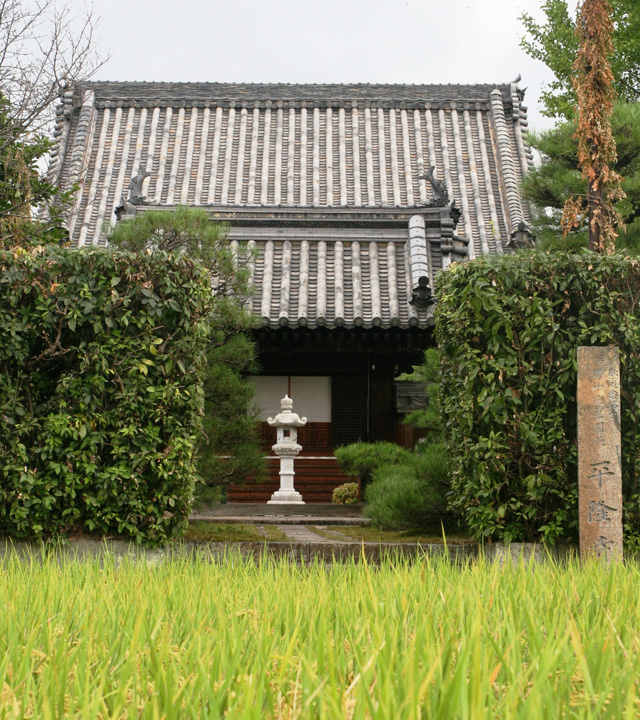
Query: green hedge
[
  {"x": 100, "y": 392},
  {"x": 508, "y": 329}
]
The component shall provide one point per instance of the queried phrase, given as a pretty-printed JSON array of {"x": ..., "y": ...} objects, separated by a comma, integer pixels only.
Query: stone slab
[
  {"x": 286, "y": 497},
  {"x": 599, "y": 453},
  {"x": 516, "y": 552},
  {"x": 302, "y": 534}
]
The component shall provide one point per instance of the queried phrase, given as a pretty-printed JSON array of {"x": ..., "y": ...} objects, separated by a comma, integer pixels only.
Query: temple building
[{"x": 349, "y": 199}]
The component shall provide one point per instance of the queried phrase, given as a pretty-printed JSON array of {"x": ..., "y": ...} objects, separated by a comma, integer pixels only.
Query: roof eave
[{"x": 281, "y": 215}]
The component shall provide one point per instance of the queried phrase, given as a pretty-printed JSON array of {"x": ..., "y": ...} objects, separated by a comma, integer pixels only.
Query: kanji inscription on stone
[{"x": 599, "y": 456}]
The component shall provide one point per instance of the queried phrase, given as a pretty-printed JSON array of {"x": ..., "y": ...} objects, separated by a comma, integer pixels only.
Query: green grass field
[{"x": 189, "y": 639}]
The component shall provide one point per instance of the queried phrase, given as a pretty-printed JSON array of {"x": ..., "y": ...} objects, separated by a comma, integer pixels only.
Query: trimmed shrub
[
  {"x": 508, "y": 328},
  {"x": 346, "y": 494},
  {"x": 411, "y": 494},
  {"x": 362, "y": 459},
  {"x": 100, "y": 392}
]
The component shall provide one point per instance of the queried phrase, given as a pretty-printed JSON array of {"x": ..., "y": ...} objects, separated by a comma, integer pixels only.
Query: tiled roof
[
  {"x": 335, "y": 149},
  {"x": 318, "y": 146}
]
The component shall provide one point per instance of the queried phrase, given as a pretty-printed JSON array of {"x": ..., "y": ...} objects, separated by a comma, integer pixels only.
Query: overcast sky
[{"x": 312, "y": 41}]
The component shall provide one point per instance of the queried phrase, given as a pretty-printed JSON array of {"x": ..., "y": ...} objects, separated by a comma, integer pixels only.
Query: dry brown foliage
[{"x": 594, "y": 86}]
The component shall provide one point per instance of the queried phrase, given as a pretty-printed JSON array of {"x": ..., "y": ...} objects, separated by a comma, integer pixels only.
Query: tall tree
[
  {"x": 24, "y": 188},
  {"x": 558, "y": 175},
  {"x": 555, "y": 43},
  {"x": 44, "y": 47},
  {"x": 593, "y": 85}
]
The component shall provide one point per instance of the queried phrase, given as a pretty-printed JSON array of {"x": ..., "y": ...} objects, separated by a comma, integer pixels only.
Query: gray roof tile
[{"x": 356, "y": 147}]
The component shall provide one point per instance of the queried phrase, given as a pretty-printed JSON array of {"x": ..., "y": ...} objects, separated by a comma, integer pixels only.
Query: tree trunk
[{"x": 595, "y": 199}]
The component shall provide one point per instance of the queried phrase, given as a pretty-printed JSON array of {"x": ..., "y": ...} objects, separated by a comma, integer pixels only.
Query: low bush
[
  {"x": 405, "y": 490},
  {"x": 346, "y": 494},
  {"x": 411, "y": 494},
  {"x": 362, "y": 459},
  {"x": 101, "y": 357},
  {"x": 508, "y": 330}
]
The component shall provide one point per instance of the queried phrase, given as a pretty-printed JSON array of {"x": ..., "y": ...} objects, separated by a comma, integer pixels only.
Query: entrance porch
[{"x": 343, "y": 382}]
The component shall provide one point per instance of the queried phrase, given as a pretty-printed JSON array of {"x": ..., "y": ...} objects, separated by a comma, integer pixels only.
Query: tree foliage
[
  {"x": 558, "y": 176},
  {"x": 44, "y": 48},
  {"x": 430, "y": 418},
  {"x": 24, "y": 190},
  {"x": 230, "y": 449},
  {"x": 555, "y": 43}
]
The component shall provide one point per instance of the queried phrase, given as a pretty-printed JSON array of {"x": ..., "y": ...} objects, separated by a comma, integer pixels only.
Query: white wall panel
[{"x": 311, "y": 395}]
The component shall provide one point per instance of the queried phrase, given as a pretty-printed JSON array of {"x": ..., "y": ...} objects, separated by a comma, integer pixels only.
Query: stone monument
[
  {"x": 599, "y": 456},
  {"x": 286, "y": 447}
]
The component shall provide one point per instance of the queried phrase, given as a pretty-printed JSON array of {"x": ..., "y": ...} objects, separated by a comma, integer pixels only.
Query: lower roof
[{"x": 339, "y": 279}]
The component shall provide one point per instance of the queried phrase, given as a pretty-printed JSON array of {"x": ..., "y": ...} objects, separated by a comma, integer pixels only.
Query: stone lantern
[{"x": 286, "y": 448}]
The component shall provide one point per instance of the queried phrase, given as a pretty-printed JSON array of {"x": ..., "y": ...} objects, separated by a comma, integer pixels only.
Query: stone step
[
  {"x": 264, "y": 519},
  {"x": 264, "y": 496},
  {"x": 316, "y": 477}
]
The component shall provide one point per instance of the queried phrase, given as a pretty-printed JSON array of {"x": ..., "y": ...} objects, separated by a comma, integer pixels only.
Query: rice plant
[{"x": 239, "y": 639}]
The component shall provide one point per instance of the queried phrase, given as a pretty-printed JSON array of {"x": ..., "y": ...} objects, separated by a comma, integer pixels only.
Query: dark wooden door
[{"x": 348, "y": 402}]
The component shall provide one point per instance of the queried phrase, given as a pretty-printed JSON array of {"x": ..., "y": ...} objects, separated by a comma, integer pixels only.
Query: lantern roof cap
[{"x": 286, "y": 417}]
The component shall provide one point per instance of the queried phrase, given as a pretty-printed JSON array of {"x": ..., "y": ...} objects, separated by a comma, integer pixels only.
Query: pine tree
[{"x": 558, "y": 176}]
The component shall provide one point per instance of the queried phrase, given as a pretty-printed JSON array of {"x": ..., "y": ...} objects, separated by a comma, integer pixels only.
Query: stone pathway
[
  {"x": 263, "y": 514},
  {"x": 335, "y": 534},
  {"x": 301, "y": 534}
]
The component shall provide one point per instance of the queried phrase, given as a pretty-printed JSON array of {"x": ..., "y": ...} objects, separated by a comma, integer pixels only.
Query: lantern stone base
[
  {"x": 286, "y": 497},
  {"x": 287, "y": 494}
]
